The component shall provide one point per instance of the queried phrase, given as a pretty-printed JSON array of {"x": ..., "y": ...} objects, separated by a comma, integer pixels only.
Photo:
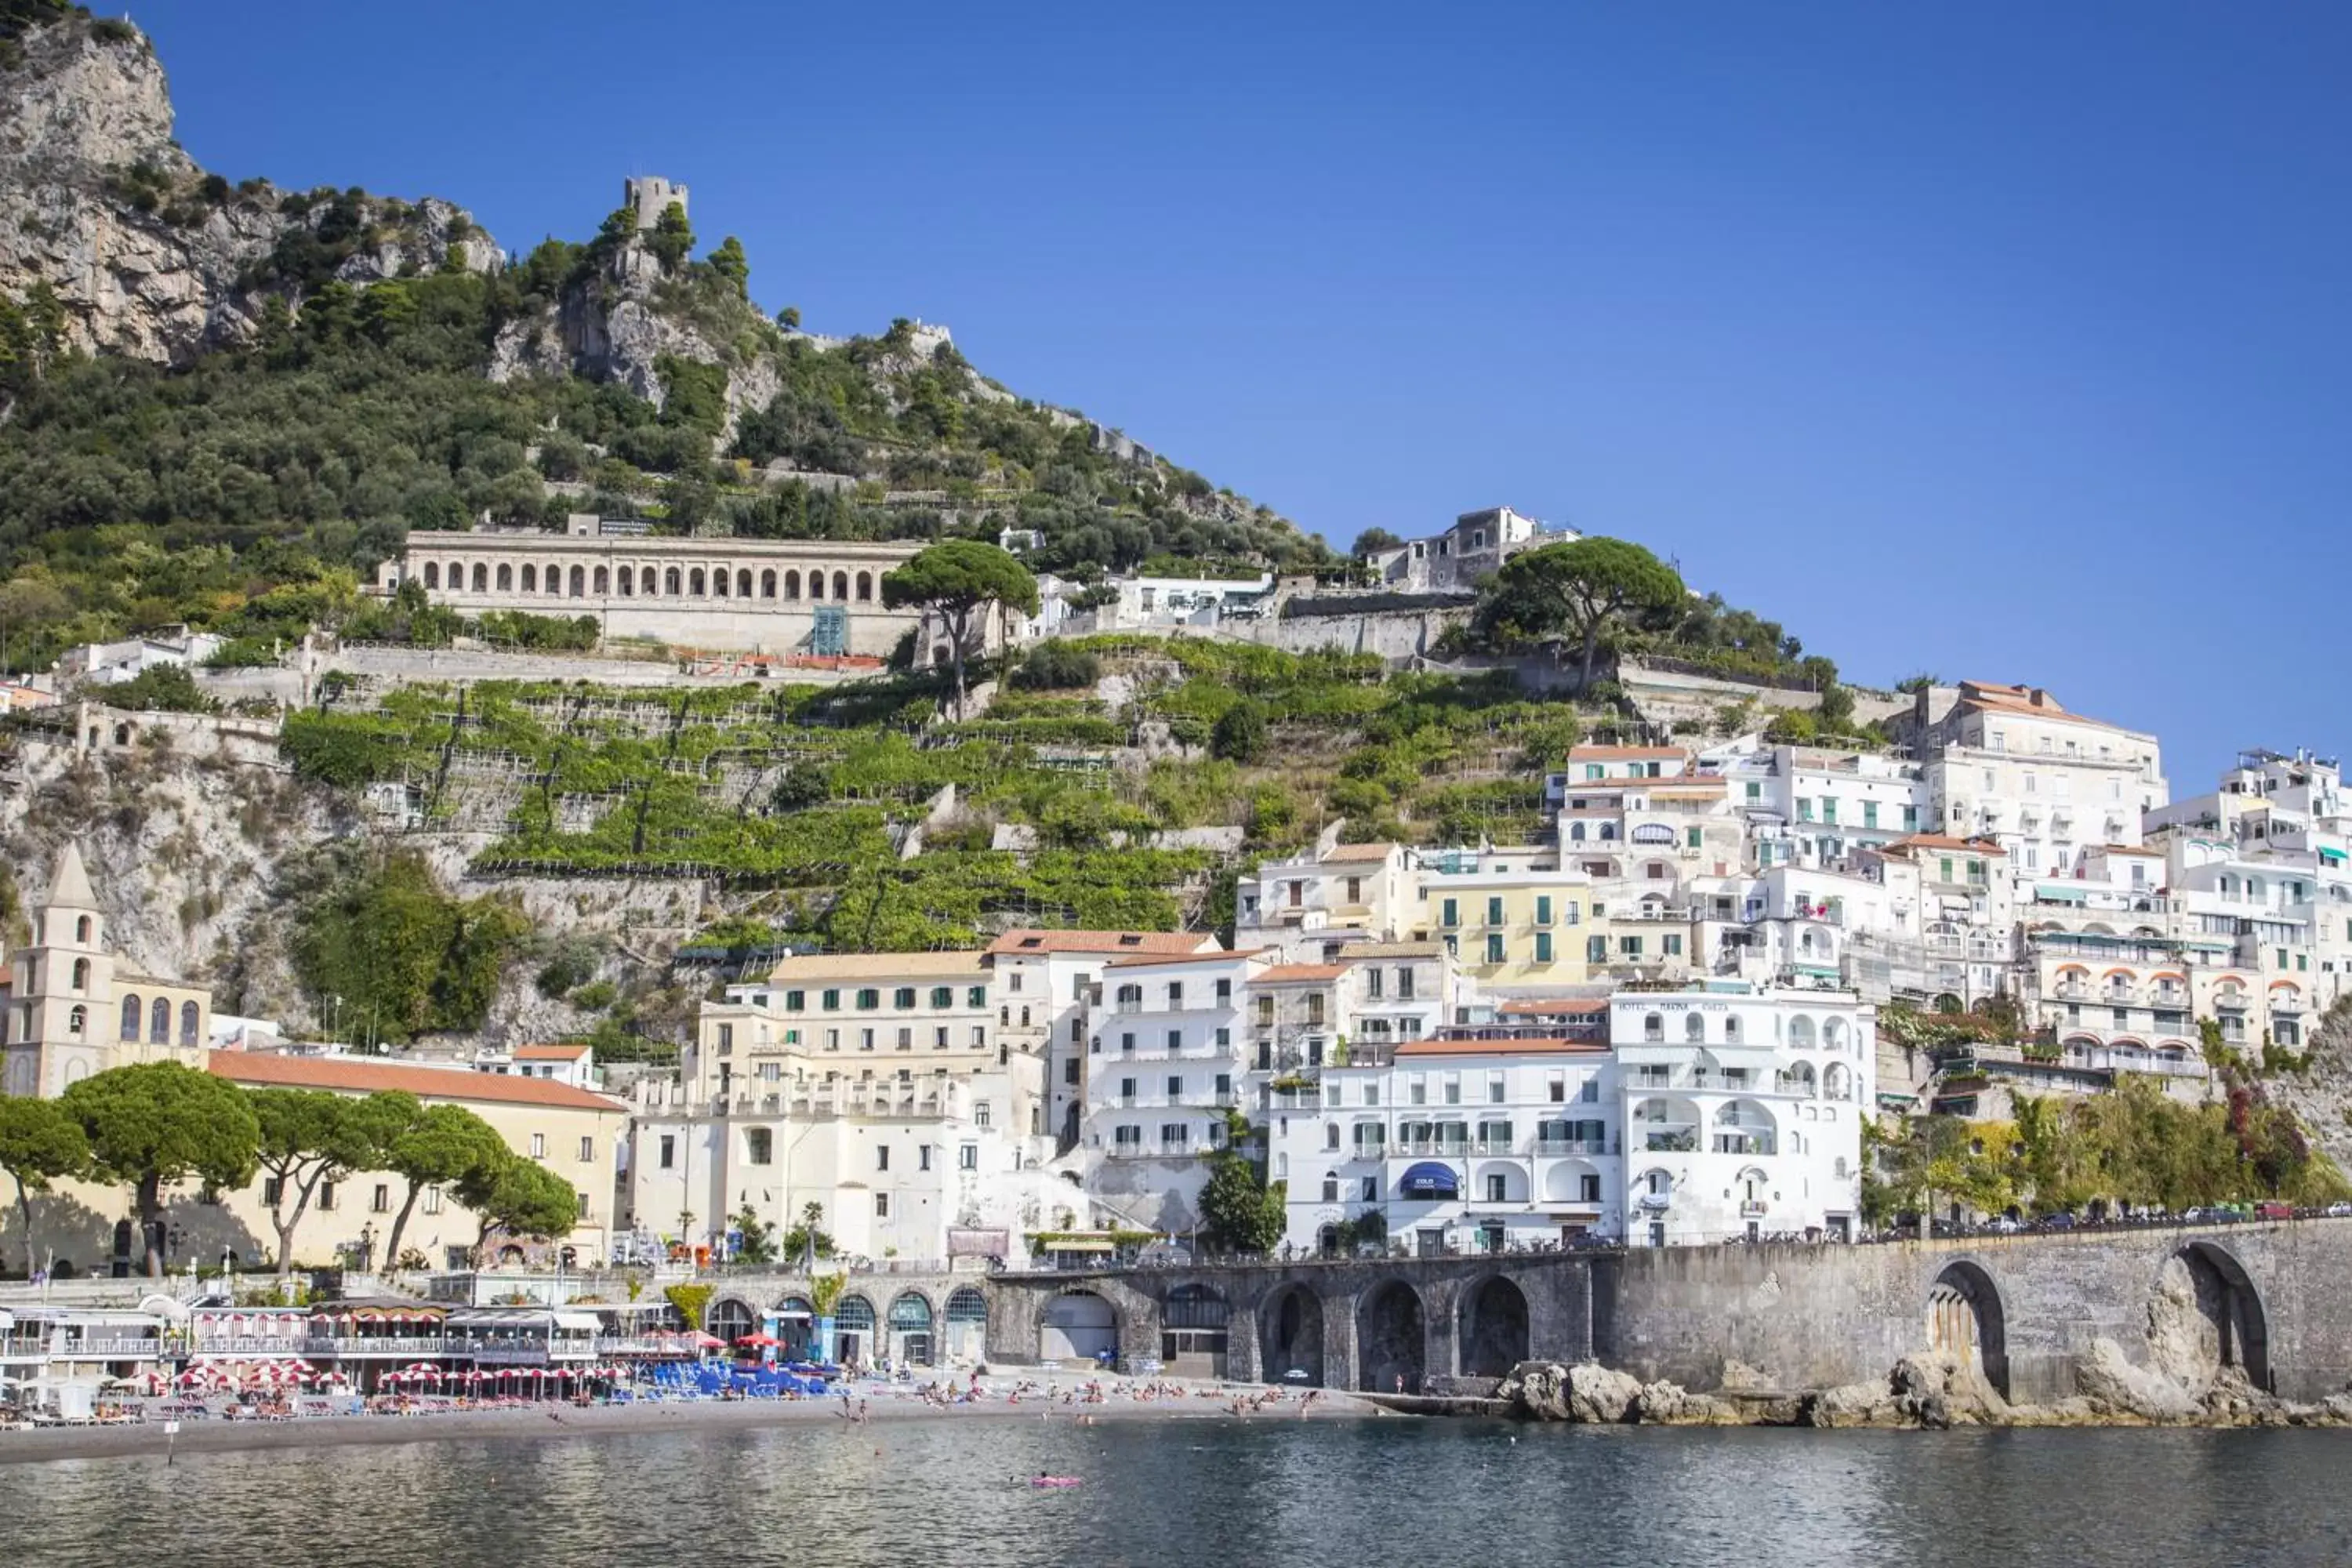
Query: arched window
[
  {"x": 82, "y": 930},
  {"x": 188, "y": 1020},
  {"x": 1693, "y": 1026},
  {"x": 744, "y": 585},
  {"x": 505, "y": 577},
  {"x": 1653, "y": 1028},
  {"x": 131, "y": 1018},
  {"x": 159, "y": 1022},
  {"x": 669, "y": 582},
  {"x": 768, "y": 584},
  {"x": 817, "y": 584},
  {"x": 82, "y": 973},
  {"x": 530, "y": 578},
  {"x": 604, "y": 582},
  {"x": 432, "y": 575},
  {"x": 718, "y": 582},
  {"x": 792, "y": 584},
  {"x": 457, "y": 576},
  {"x": 579, "y": 583},
  {"x": 840, "y": 585},
  {"x": 78, "y": 1021},
  {"x": 626, "y": 581},
  {"x": 481, "y": 577},
  {"x": 866, "y": 585},
  {"x": 1576, "y": 832},
  {"x": 1801, "y": 1032},
  {"x": 647, "y": 580},
  {"x": 695, "y": 587}
]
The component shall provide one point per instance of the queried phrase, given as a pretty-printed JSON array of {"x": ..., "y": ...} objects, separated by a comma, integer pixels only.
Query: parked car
[
  {"x": 2056, "y": 1222},
  {"x": 2339, "y": 1210},
  {"x": 2003, "y": 1225},
  {"x": 2273, "y": 1209}
]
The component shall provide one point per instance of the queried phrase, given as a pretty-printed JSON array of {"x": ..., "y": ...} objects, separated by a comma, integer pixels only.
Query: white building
[
  {"x": 1455, "y": 1145},
  {"x": 1742, "y": 1111},
  {"x": 2011, "y": 764},
  {"x": 1167, "y": 1052},
  {"x": 1044, "y": 983},
  {"x": 1458, "y": 559}
]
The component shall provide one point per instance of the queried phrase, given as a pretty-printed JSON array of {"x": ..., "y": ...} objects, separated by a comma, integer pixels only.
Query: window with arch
[
  {"x": 840, "y": 585},
  {"x": 865, "y": 585},
  {"x": 579, "y": 583},
  {"x": 792, "y": 584},
  {"x": 130, "y": 1018},
  {"x": 1653, "y": 1028},
  {"x": 1332, "y": 1183},
  {"x": 530, "y": 578},
  {"x": 1330, "y": 1135},
  {"x": 670, "y": 583},
  {"x": 505, "y": 577},
  {"x": 1801, "y": 1032},
  {"x": 1693, "y": 1026},
  {"x": 82, "y": 973},
  {"x": 697, "y": 586},
  {"x": 626, "y": 581},
  {"x": 159, "y": 1022},
  {"x": 718, "y": 582},
  {"x": 432, "y": 575},
  {"x": 603, "y": 582},
  {"x": 189, "y": 1019},
  {"x": 817, "y": 584},
  {"x": 78, "y": 1021},
  {"x": 768, "y": 584},
  {"x": 84, "y": 928},
  {"x": 1576, "y": 832},
  {"x": 481, "y": 577},
  {"x": 743, "y": 583}
]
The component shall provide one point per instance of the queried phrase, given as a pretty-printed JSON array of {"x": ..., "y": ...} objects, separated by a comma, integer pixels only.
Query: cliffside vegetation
[
  {"x": 250, "y": 492},
  {"x": 2132, "y": 1145}
]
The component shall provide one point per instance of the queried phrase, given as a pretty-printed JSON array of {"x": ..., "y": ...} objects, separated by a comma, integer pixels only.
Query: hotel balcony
[
  {"x": 1565, "y": 1146},
  {"x": 359, "y": 1347}
]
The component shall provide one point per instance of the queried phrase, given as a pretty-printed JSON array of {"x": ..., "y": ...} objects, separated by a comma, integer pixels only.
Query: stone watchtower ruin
[{"x": 648, "y": 197}]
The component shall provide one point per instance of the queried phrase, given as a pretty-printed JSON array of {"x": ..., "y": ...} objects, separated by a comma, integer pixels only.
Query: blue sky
[{"x": 2003, "y": 341}]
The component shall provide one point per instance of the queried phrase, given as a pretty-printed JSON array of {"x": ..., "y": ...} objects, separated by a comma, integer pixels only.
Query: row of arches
[
  {"x": 648, "y": 582},
  {"x": 159, "y": 1021},
  {"x": 911, "y": 1329}
]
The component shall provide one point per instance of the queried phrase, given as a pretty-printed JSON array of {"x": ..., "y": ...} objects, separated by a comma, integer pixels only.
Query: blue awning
[{"x": 1431, "y": 1179}]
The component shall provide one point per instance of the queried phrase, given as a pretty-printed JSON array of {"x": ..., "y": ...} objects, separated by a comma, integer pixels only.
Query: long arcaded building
[{"x": 793, "y": 597}]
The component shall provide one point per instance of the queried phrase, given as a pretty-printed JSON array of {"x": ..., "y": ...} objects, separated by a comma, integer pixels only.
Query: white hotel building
[{"x": 1706, "y": 1115}]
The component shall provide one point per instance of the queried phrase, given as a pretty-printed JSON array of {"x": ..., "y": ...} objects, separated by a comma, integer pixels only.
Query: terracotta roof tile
[
  {"x": 946, "y": 962},
  {"x": 1359, "y": 852},
  {"x": 1298, "y": 974},
  {"x": 1601, "y": 754},
  {"x": 1210, "y": 955},
  {"x": 351, "y": 1075},
  {"x": 550, "y": 1053},
  {"x": 1031, "y": 940},
  {"x": 1946, "y": 841},
  {"x": 1555, "y": 1006}
]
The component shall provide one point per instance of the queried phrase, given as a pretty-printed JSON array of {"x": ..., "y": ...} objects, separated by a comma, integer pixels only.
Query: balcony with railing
[
  {"x": 361, "y": 1347},
  {"x": 1444, "y": 1148},
  {"x": 1579, "y": 1146},
  {"x": 205, "y": 1345}
]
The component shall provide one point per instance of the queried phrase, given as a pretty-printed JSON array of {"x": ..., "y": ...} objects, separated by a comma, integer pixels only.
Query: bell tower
[{"x": 60, "y": 989}]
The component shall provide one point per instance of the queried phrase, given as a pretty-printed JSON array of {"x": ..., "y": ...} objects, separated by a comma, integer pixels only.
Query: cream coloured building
[{"x": 794, "y": 597}]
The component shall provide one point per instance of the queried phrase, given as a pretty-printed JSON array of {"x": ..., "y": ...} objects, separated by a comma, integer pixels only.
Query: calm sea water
[{"x": 1337, "y": 1492}]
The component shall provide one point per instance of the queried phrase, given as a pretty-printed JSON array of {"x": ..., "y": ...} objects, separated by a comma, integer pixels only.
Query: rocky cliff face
[
  {"x": 614, "y": 327},
  {"x": 142, "y": 253}
]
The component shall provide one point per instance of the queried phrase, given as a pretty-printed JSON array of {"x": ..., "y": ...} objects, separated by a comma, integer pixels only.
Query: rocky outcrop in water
[{"x": 1927, "y": 1391}]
